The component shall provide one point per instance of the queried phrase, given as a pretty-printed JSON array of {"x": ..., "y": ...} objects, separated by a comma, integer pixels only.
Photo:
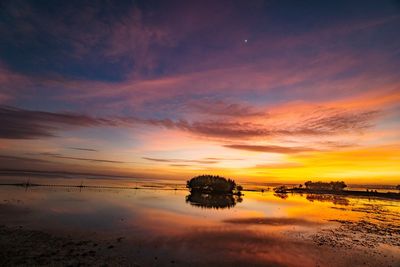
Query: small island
[
  {"x": 213, "y": 184},
  {"x": 336, "y": 188}
]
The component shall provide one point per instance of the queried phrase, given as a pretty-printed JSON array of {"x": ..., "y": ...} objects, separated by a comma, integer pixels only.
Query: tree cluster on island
[
  {"x": 331, "y": 188},
  {"x": 327, "y": 186},
  {"x": 213, "y": 184},
  {"x": 314, "y": 186}
]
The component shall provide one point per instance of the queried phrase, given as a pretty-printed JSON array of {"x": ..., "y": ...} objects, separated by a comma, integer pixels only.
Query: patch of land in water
[{"x": 390, "y": 195}]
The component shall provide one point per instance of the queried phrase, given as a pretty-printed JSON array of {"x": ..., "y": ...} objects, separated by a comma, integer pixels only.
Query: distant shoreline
[
  {"x": 387, "y": 195},
  {"x": 25, "y": 185},
  {"x": 390, "y": 195}
]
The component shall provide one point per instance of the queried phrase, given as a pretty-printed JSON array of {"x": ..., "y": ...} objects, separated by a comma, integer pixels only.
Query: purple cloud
[{"x": 27, "y": 124}]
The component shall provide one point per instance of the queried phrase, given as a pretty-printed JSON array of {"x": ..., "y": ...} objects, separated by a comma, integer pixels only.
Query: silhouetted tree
[
  {"x": 398, "y": 187},
  {"x": 308, "y": 184},
  {"x": 338, "y": 186}
]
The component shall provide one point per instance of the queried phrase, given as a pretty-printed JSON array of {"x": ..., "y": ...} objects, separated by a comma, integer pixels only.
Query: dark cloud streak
[
  {"x": 271, "y": 149},
  {"x": 83, "y": 149},
  {"x": 223, "y": 108},
  {"x": 327, "y": 123},
  {"x": 28, "y": 124},
  {"x": 180, "y": 160},
  {"x": 22, "y": 159},
  {"x": 334, "y": 122},
  {"x": 90, "y": 159},
  {"x": 60, "y": 156}
]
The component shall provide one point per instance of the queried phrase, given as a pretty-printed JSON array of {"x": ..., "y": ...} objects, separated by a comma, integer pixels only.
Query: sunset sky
[{"x": 267, "y": 91}]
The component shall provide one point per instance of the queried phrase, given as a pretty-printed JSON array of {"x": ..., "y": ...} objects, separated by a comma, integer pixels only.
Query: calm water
[{"x": 257, "y": 229}]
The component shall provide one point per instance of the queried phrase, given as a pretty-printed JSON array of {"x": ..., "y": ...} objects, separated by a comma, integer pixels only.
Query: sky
[{"x": 263, "y": 91}]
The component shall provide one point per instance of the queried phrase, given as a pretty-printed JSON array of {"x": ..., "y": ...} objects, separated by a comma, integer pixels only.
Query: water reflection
[
  {"x": 337, "y": 200},
  {"x": 158, "y": 227},
  {"x": 212, "y": 201},
  {"x": 281, "y": 195},
  {"x": 271, "y": 221}
]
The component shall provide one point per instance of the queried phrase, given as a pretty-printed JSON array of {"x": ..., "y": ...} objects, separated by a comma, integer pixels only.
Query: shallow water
[{"x": 258, "y": 229}]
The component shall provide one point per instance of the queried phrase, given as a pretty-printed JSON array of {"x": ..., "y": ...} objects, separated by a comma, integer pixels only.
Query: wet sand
[
  {"x": 20, "y": 247},
  {"x": 338, "y": 247}
]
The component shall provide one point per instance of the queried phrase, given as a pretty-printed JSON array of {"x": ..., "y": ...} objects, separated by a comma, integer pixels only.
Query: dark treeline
[
  {"x": 336, "y": 188},
  {"x": 331, "y": 186},
  {"x": 315, "y": 186},
  {"x": 213, "y": 184}
]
